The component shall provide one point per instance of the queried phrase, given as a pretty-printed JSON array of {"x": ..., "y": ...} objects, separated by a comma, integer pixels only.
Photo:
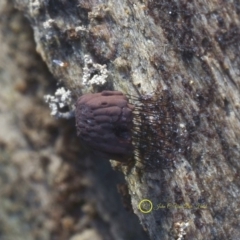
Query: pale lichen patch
[
  {"x": 93, "y": 73},
  {"x": 61, "y": 99}
]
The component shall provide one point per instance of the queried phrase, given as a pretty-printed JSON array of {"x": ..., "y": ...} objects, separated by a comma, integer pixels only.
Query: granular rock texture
[
  {"x": 50, "y": 188},
  {"x": 142, "y": 48}
]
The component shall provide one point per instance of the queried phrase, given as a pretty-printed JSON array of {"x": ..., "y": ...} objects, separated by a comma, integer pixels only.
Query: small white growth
[
  {"x": 180, "y": 227},
  {"x": 181, "y": 125},
  {"x": 48, "y": 23},
  {"x": 80, "y": 29},
  {"x": 61, "y": 99},
  {"x": 59, "y": 63},
  {"x": 93, "y": 73}
]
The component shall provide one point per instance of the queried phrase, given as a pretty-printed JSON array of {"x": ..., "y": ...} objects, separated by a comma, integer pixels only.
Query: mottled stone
[{"x": 189, "y": 48}]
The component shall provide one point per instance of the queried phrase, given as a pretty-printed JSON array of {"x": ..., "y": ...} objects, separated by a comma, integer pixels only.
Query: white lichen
[
  {"x": 93, "y": 73},
  {"x": 62, "y": 98},
  {"x": 180, "y": 228},
  {"x": 48, "y": 24}
]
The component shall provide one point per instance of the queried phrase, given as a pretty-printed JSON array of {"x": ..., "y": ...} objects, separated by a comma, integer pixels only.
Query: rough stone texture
[
  {"x": 192, "y": 50},
  {"x": 50, "y": 188}
]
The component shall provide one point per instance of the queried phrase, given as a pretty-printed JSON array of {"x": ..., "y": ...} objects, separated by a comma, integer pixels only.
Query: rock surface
[
  {"x": 191, "y": 50},
  {"x": 50, "y": 188}
]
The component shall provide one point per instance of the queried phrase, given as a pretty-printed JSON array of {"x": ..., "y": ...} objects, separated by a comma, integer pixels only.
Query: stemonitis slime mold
[
  {"x": 104, "y": 122},
  {"x": 143, "y": 128}
]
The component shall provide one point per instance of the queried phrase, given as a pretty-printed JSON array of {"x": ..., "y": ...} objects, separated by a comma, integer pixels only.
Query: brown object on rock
[
  {"x": 104, "y": 122},
  {"x": 189, "y": 48}
]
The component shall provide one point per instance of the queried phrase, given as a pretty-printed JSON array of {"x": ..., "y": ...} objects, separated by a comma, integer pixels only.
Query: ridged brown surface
[{"x": 104, "y": 122}]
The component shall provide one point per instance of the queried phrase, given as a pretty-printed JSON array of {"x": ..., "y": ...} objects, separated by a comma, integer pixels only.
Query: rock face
[
  {"x": 50, "y": 188},
  {"x": 141, "y": 48}
]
